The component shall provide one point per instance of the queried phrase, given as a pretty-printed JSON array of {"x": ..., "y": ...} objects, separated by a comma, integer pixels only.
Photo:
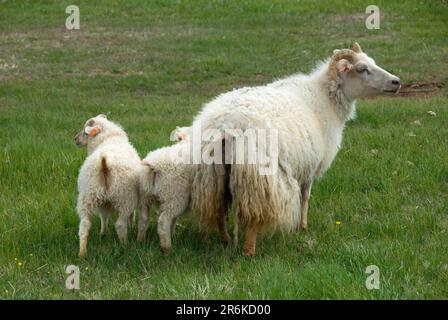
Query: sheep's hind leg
[
  {"x": 251, "y": 240},
  {"x": 165, "y": 226},
  {"x": 143, "y": 223},
  {"x": 84, "y": 228},
  {"x": 305, "y": 193}
]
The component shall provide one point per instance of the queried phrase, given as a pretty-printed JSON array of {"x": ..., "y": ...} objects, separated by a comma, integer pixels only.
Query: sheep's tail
[
  {"x": 208, "y": 194},
  {"x": 270, "y": 202},
  {"x": 104, "y": 173}
]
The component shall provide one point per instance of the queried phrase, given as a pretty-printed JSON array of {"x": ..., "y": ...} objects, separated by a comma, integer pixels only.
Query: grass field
[{"x": 151, "y": 65}]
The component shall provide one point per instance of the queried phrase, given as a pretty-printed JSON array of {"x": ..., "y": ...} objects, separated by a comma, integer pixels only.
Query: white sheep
[
  {"x": 309, "y": 113},
  {"x": 166, "y": 183},
  {"x": 108, "y": 179}
]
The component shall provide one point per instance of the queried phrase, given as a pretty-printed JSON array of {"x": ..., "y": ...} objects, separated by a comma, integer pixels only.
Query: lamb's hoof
[
  {"x": 165, "y": 250},
  {"x": 165, "y": 246},
  {"x": 103, "y": 235},
  {"x": 304, "y": 227},
  {"x": 140, "y": 239},
  {"x": 82, "y": 254}
]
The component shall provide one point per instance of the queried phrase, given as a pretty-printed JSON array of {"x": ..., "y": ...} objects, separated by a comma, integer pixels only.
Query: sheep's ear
[
  {"x": 92, "y": 131},
  {"x": 335, "y": 51},
  {"x": 356, "y": 47},
  {"x": 344, "y": 66},
  {"x": 102, "y": 116}
]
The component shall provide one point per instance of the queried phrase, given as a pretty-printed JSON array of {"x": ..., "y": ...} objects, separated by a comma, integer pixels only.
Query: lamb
[
  {"x": 108, "y": 180},
  {"x": 308, "y": 113},
  {"x": 166, "y": 183}
]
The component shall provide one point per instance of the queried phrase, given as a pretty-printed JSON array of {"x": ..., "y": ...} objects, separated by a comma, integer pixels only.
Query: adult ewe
[
  {"x": 109, "y": 178},
  {"x": 309, "y": 113}
]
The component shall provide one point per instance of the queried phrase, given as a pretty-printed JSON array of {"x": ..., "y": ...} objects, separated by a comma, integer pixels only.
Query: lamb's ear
[
  {"x": 180, "y": 135},
  {"x": 344, "y": 66},
  {"x": 92, "y": 131},
  {"x": 335, "y": 51},
  {"x": 102, "y": 116},
  {"x": 147, "y": 164}
]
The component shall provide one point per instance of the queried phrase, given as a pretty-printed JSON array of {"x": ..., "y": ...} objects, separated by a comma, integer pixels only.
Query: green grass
[{"x": 151, "y": 65}]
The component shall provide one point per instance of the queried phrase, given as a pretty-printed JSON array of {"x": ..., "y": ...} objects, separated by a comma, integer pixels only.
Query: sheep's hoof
[
  {"x": 82, "y": 254},
  {"x": 249, "y": 252},
  {"x": 225, "y": 240},
  {"x": 304, "y": 227}
]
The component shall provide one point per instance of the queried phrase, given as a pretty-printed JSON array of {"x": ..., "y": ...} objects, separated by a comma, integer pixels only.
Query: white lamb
[
  {"x": 108, "y": 179},
  {"x": 166, "y": 183},
  {"x": 309, "y": 113}
]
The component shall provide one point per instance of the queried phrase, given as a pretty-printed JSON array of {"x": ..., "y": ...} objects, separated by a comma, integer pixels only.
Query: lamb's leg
[
  {"x": 165, "y": 226},
  {"x": 251, "y": 240},
  {"x": 305, "y": 191},
  {"x": 132, "y": 219},
  {"x": 173, "y": 225},
  {"x": 104, "y": 223},
  {"x": 143, "y": 223},
  {"x": 84, "y": 228},
  {"x": 121, "y": 226}
]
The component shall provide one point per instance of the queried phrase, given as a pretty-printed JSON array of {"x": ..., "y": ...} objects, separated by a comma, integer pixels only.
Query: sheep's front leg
[
  {"x": 84, "y": 228},
  {"x": 104, "y": 222},
  {"x": 305, "y": 193},
  {"x": 143, "y": 223},
  {"x": 133, "y": 219},
  {"x": 251, "y": 240}
]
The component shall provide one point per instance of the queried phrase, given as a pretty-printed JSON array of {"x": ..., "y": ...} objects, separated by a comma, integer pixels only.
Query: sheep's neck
[
  {"x": 344, "y": 106},
  {"x": 106, "y": 138}
]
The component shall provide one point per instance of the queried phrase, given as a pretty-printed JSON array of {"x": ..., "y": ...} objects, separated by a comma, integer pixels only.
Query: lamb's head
[
  {"x": 180, "y": 134},
  {"x": 96, "y": 130},
  {"x": 358, "y": 75}
]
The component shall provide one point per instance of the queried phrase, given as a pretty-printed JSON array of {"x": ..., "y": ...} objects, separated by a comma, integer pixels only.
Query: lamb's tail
[{"x": 104, "y": 173}]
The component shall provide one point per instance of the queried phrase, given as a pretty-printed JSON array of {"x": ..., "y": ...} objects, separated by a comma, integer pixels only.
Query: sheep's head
[
  {"x": 92, "y": 128},
  {"x": 358, "y": 74}
]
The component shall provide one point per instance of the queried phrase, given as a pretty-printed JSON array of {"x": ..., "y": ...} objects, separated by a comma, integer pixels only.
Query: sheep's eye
[{"x": 362, "y": 68}]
